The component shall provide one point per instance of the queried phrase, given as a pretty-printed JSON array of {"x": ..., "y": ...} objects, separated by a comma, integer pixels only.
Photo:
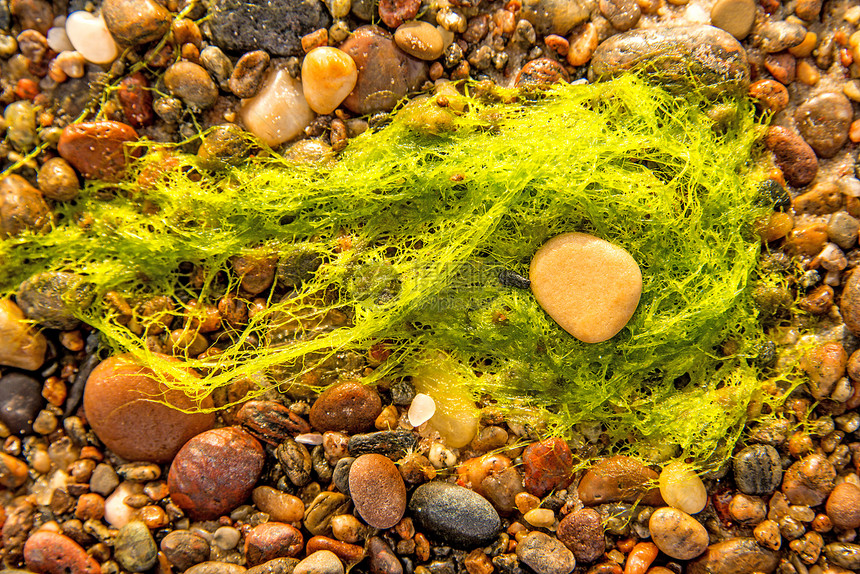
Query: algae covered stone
[{"x": 589, "y": 286}]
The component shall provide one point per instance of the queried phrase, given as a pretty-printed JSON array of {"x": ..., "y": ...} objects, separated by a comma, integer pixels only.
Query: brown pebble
[
  {"x": 547, "y": 466},
  {"x": 350, "y": 406},
  {"x": 377, "y": 490},
  {"x": 617, "y": 479},
  {"x": 133, "y": 22},
  {"x": 677, "y": 534},
  {"x": 793, "y": 155},
  {"x": 849, "y": 304},
  {"x": 247, "y": 76},
  {"x": 807, "y": 239},
  {"x": 582, "y": 532},
  {"x": 747, "y": 510},
  {"x": 192, "y": 84},
  {"x": 91, "y": 506},
  {"x": 772, "y": 94},
  {"x": 734, "y": 16},
  {"x": 22, "y": 207},
  {"x": 541, "y": 72},
  {"x": 50, "y": 553},
  {"x": 824, "y": 198},
  {"x": 395, "y": 12},
  {"x": 420, "y": 39},
  {"x": 97, "y": 149},
  {"x": 136, "y": 100},
  {"x": 733, "y": 556},
  {"x": 272, "y": 540},
  {"x": 622, "y": 14},
  {"x": 809, "y": 480},
  {"x": 843, "y": 506},
  {"x": 13, "y": 472},
  {"x": 382, "y": 558},
  {"x": 824, "y": 365},
  {"x": 57, "y": 180},
  {"x": 823, "y": 121},
  {"x": 349, "y": 553},
  {"x": 280, "y": 506},
  {"x": 782, "y": 66},
  {"x": 808, "y": 10}
]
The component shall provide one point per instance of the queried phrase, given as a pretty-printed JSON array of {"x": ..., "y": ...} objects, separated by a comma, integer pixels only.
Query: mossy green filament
[{"x": 431, "y": 219}]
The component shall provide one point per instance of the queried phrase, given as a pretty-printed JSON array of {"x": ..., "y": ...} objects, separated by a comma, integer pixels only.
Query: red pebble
[
  {"x": 50, "y": 553},
  {"x": 136, "y": 100},
  {"x": 272, "y": 540},
  {"x": 547, "y": 465},
  {"x": 26, "y": 89}
]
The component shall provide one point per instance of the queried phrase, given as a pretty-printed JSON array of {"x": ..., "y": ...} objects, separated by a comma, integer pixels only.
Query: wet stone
[
  {"x": 377, "y": 490},
  {"x": 51, "y": 553},
  {"x": 20, "y": 401},
  {"x": 13, "y": 471},
  {"x": 328, "y": 77},
  {"x": 545, "y": 554},
  {"x": 215, "y": 472},
  {"x": 421, "y": 40},
  {"x": 541, "y": 72},
  {"x": 734, "y": 16},
  {"x": 33, "y": 14},
  {"x": 779, "y": 36},
  {"x": 104, "y": 479},
  {"x": 22, "y": 207},
  {"x": 547, "y": 466},
  {"x": 556, "y": 16},
  {"x": 340, "y": 476},
  {"x": 320, "y": 562},
  {"x": 849, "y": 304},
  {"x": 622, "y": 14},
  {"x": 57, "y": 180},
  {"x": 793, "y": 155},
  {"x": 757, "y": 469},
  {"x": 735, "y": 555},
  {"x": 809, "y": 481},
  {"x": 823, "y": 121},
  {"x": 136, "y": 100},
  {"x": 52, "y": 298},
  {"x": 247, "y": 76},
  {"x": 322, "y": 509},
  {"x": 184, "y": 549},
  {"x": 619, "y": 479},
  {"x": 842, "y": 229},
  {"x": 133, "y": 22},
  {"x": 295, "y": 461},
  {"x": 457, "y": 515},
  {"x": 843, "y": 506},
  {"x": 224, "y": 145},
  {"x": 677, "y": 534},
  {"x": 280, "y": 506},
  {"x": 843, "y": 554},
  {"x": 782, "y": 66},
  {"x": 393, "y": 13},
  {"x": 673, "y": 55},
  {"x": 275, "y": 566},
  {"x": 276, "y": 27},
  {"x": 393, "y": 444},
  {"x": 501, "y": 489},
  {"x": 582, "y": 532},
  {"x": 20, "y": 119},
  {"x": 382, "y": 558},
  {"x": 351, "y": 407},
  {"x": 97, "y": 149},
  {"x": 771, "y": 93},
  {"x": 134, "y": 547},
  {"x": 216, "y": 567},
  {"x": 192, "y": 84},
  {"x": 272, "y": 540}
]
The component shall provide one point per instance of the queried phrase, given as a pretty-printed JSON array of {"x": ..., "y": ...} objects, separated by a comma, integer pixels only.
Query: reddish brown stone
[
  {"x": 770, "y": 93},
  {"x": 547, "y": 466},
  {"x": 13, "y": 472},
  {"x": 215, "y": 472},
  {"x": 377, "y": 490},
  {"x": 136, "y": 100},
  {"x": 582, "y": 533},
  {"x": 619, "y": 479},
  {"x": 33, "y": 14},
  {"x": 22, "y": 207},
  {"x": 351, "y": 407},
  {"x": 272, "y": 540},
  {"x": 395, "y": 12},
  {"x": 270, "y": 421},
  {"x": 541, "y": 72},
  {"x": 809, "y": 480},
  {"x": 782, "y": 66},
  {"x": 849, "y": 305},
  {"x": 349, "y": 553},
  {"x": 117, "y": 401},
  {"x": 843, "y": 506},
  {"x": 51, "y": 553},
  {"x": 793, "y": 155},
  {"x": 97, "y": 149}
]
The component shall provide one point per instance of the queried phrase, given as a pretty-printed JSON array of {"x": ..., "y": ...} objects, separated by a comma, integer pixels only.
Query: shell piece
[{"x": 682, "y": 488}]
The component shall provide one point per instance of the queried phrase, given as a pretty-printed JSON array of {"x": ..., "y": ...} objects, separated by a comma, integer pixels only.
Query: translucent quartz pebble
[
  {"x": 279, "y": 112},
  {"x": 328, "y": 76},
  {"x": 589, "y": 286},
  {"x": 58, "y": 40},
  {"x": 423, "y": 407},
  {"x": 90, "y": 37},
  {"x": 682, "y": 488}
]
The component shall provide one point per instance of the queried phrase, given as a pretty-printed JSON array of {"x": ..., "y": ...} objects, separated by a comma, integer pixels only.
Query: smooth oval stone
[
  {"x": 21, "y": 345},
  {"x": 91, "y": 38},
  {"x": 20, "y": 402},
  {"x": 545, "y": 554},
  {"x": 247, "y": 76},
  {"x": 809, "y": 480},
  {"x": 758, "y": 469},
  {"x": 794, "y": 156},
  {"x": 20, "y": 119},
  {"x": 279, "y": 112},
  {"x": 350, "y": 406},
  {"x": 582, "y": 532},
  {"x": 823, "y": 121},
  {"x": 320, "y": 562},
  {"x": 215, "y": 472},
  {"x": 682, "y": 488},
  {"x": 677, "y": 534},
  {"x": 328, "y": 76},
  {"x": 619, "y": 479},
  {"x": 97, "y": 149},
  {"x": 22, "y": 207},
  {"x": 589, "y": 286},
  {"x": 457, "y": 515},
  {"x": 734, "y": 16},
  {"x": 134, "y": 548},
  {"x": 57, "y": 180},
  {"x": 192, "y": 84},
  {"x": 216, "y": 567},
  {"x": 377, "y": 490},
  {"x": 843, "y": 554},
  {"x": 134, "y": 22},
  {"x": 733, "y": 556},
  {"x": 421, "y": 40},
  {"x": 556, "y": 16},
  {"x": 272, "y": 540},
  {"x": 671, "y": 56},
  {"x": 118, "y": 406},
  {"x": 48, "y": 552}
]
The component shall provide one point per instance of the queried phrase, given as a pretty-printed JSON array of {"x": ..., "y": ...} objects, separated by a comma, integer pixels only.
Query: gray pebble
[
  {"x": 758, "y": 469},
  {"x": 842, "y": 229},
  {"x": 217, "y": 64},
  {"x": 779, "y": 36},
  {"x": 456, "y": 514},
  {"x": 340, "y": 476},
  {"x": 104, "y": 479},
  {"x": 843, "y": 554},
  {"x": 545, "y": 554},
  {"x": 393, "y": 444}
]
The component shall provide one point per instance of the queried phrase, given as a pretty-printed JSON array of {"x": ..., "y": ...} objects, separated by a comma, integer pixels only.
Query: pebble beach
[{"x": 409, "y": 476}]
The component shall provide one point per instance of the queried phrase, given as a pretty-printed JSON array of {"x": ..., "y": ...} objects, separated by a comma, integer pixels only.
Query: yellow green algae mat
[{"x": 412, "y": 244}]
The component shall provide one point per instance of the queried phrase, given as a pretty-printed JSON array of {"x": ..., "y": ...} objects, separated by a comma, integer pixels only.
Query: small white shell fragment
[
  {"x": 682, "y": 488},
  {"x": 58, "y": 40},
  {"x": 421, "y": 410},
  {"x": 279, "y": 112},
  {"x": 89, "y": 35},
  {"x": 589, "y": 286},
  {"x": 310, "y": 438}
]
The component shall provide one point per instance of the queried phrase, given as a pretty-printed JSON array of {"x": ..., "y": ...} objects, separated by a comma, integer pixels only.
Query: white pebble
[
  {"x": 311, "y": 438},
  {"x": 279, "y": 112},
  {"x": 90, "y": 36},
  {"x": 58, "y": 40},
  {"x": 226, "y": 538},
  {"x": 117, "y": 512},
  {"x": 695, "y": 14},
  {"x": 421, "y": 410}
]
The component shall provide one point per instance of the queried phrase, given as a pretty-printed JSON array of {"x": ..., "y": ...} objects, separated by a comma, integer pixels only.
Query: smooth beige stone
[
  {"x": 279, "y": 111},
  {"x": 589, "y": 286},
  {"x": 21, "y": 345},
  {"x": 328, "y": 76},
  {"x": 734, "y": 16},
  {"x": 420, "y": 39}
]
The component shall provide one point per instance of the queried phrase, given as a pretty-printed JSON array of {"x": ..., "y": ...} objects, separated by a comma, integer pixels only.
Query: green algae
[{"x": 413, "y": 225}]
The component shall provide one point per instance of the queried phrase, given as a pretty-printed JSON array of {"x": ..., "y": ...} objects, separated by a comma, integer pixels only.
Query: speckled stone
[
  {"x": 556, "y": 16},
  {"x": 192, "y": 84},
  {"x": 184, "y": 549},
  {"x": 582, "y": 532},
  {"x": 134, "y": 22},
  {"x": 97, "y": 149},
  {"x": 677, "y": 534},
  {"x": 793, "y": 155},
  {"x": 809, "y": 480},
  {"x": 733, "y": 556},
  {"x": 455, "y": 514},
  {"x": 134, "y": 547},
  {"x": 377, "y": 490},
  {"x": 52, "y": 298},
  {"x": 547, "y": 466},
  {"x": 545, "y": 554},
  {"x": 843, "y": 506},
  {"x": 757, "y": 469},
  {"x": 272, "y": 540},
  {"x": 51, "y": 553}
]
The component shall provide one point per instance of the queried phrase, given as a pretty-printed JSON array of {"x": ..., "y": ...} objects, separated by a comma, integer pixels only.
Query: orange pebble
[
  {"x": 26, "y": 89},
  {"x": 640, "y": 558}
]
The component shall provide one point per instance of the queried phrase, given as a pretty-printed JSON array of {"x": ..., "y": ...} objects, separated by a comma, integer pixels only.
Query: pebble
[
  {"x": 136, "y": 100},
  {"x": 216, "y": 567},
  {"x": 349, "y": 553},
  {"x": 385, "y": 73},
  {"x": 22, "y": 347},
  {"x": 782, "y": 66},
  {"x": 794, "y": 156},
  {"x": 771, "y": 93},
  {"x": 272, "y": 540},
  {"x": 340, "y": 475},
  {"x": 320, "y": 562},
  {"x": 226, "y": 538},
  {"x": 22, "y": 207},
  {"x": 589, "y": 286},
  {"x": 733, "y": 556},
  {"x": 48, "y": 552},
  {"x": 622, "y": 14},
  {"x": 58, "y": 40},
  {"x": 215, "y": 472},
  {"x": 20, "y": 119},
  {"x": 734, "y": 16},
  {"x": 276, "y": 27},
  {"x": 32, "y": 14},
  {"x": 393, "y": 444},
  {"x": 53, "y": 298},
  {"x": 91, "y": 38},
  {"x": 350, "y": 407},
  {"x": 809, "y": 481},
  {"x": 808, "y": 10},
  {"x": 328, "y": 76},
  {"x": 115, "y": 399},
  {"x": 20, "y": 401},
  {"x": 276, "y": 566},
  {"x": 192, "y": 84},
  {"x": 767, "y": 534},
  {"x": 377, "y": 490},
  {"x": 823, "y": 121},
  {"x": 849, "y": 305},
  {"x": 757, "y": 469},
  {"x": 677, "y": 534},
  {"x": 545, "y": 554},
  {"x": 619, "y": 479},
  {"x": 97, "y": 149},
  {"x": 217, "y": 64},
  {"x": 13, "y": 472},
  {"x": 279, "y": 111},
  {"x": 183, "y": 549},
  {"x": 781, "y": 35},
  {"x": 547, "y": 466},
  {"x": 280, "y": 506},
  {"x": 58, "y": 181},
  {"x": 117, "y": 512},
  {"x": 541, "y": 73},
  {"x": 540, "y": 517},
  {"x": 455, "y": 514},
  {"x": 322, "y": 509},
  {"x": 226, "y": 145},
  {"x": 747, "y": 510},
  {"x": 825, "y": 365},
  {"x": 843, "y": 554},
  {"x": 419, "y": 39},
  {"x": 134, "y": 548},
  {"x": 676, "y": 54},
  {"x": 843, "y": 506},
  {"x": 556, "y": 16},
  {"x": 842, "y": 229},
  {"x": 247, "y": 76},
  {"x": 682, "y": 488},
  {"x": 133, "y": 22},
  {"x": 295, "y": 461},
  {"x": 582, "y": 532}
]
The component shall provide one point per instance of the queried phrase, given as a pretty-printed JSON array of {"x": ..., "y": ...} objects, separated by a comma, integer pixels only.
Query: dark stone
[
  {"x": 5, "y": 15},
  {"x": 295, "y": 461},
  {"x": 20, "y": 402},
  {"x": 276, "y": 27},
  {"x": 393, "y": 444},
  {"x": 340, "y": 476},
  {"x": 758, "y": 470},
  {"x": 457, "y": 515},
  {"x": 52, "y": 298}
]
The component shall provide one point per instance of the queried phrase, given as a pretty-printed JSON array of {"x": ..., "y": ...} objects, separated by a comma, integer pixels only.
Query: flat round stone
[{"x": 589, "y": 286}]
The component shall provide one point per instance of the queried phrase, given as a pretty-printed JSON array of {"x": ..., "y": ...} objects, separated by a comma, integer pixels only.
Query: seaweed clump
[{"x": 395, "y": 250}]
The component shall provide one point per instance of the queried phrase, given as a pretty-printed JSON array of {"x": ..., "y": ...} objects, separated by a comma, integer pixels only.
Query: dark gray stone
[
  {"x": 340, "y": 476},
  {"x": 758, "y": 470},
  {"x": 393, "y": 444},
  {"x": 276, "y": 27},
  {"x": 457, "y": 515},
  {"x": 20, "y": 402}
]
